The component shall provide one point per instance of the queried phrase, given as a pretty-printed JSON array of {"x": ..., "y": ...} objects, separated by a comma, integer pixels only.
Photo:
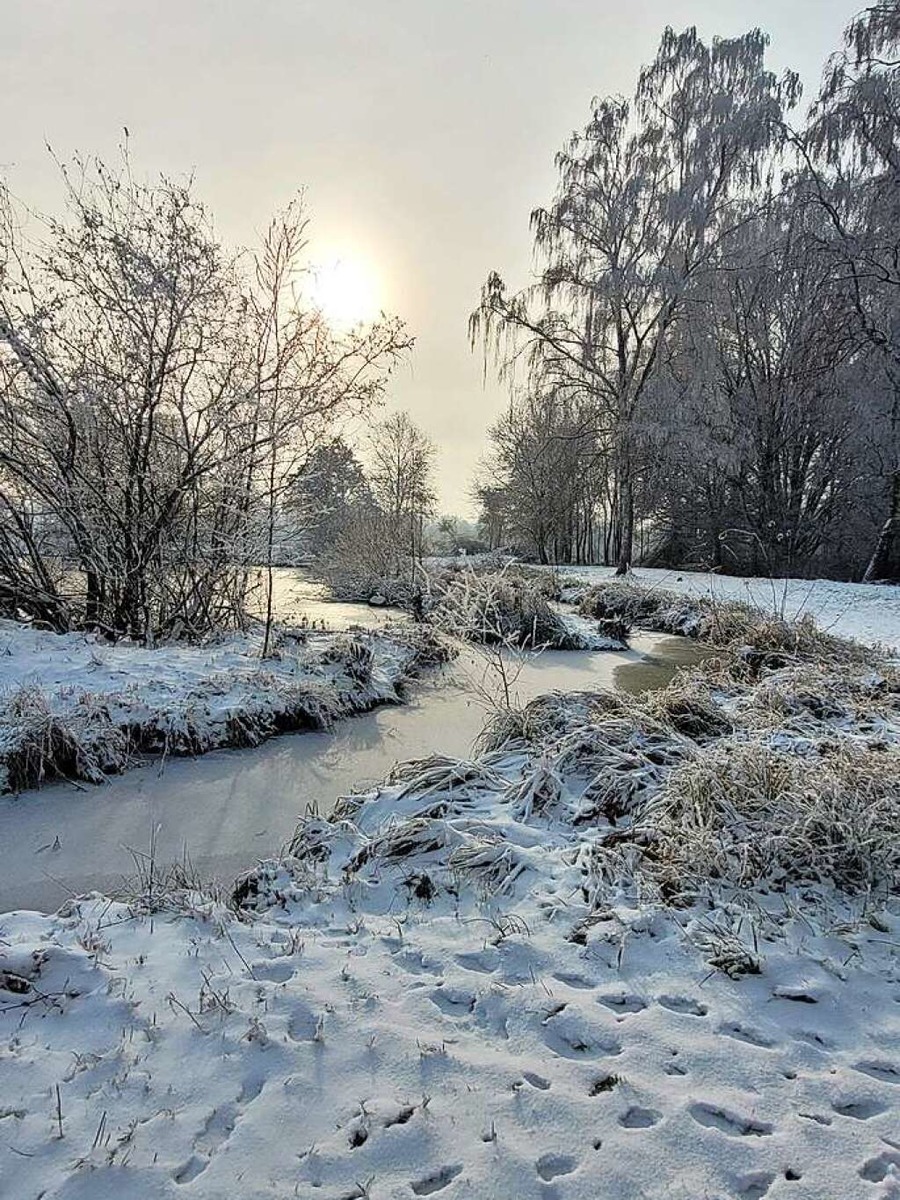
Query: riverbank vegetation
[{"x": 73, "y": 707}]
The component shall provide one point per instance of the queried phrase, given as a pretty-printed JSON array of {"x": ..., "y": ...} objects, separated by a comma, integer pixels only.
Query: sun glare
[{"x": 346, "y": 291}]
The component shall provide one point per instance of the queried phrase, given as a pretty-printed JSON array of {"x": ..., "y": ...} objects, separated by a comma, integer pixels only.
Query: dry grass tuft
[
  {"x": 507, "y": 607},
  {"x": 38, "y": 745},
  {"x": 745, "y": 813}
]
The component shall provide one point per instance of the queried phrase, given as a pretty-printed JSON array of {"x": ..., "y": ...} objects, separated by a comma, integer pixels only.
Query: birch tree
[{"x": 400, "y": 476}]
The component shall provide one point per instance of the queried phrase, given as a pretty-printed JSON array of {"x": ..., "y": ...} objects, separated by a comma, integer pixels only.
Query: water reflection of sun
[{"x": 346, "y": 291}]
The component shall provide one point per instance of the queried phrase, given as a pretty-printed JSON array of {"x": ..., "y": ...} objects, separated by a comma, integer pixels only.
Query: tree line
[{"x": 706, "y": 371}]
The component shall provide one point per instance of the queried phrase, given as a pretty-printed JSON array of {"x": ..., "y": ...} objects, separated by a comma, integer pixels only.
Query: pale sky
[{"x": 423, "y": 131}]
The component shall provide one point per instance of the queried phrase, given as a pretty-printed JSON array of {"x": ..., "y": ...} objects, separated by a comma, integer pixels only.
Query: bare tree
[
  {"x": 123, "y": 392},
  {"x": 401, "y": 479},
  {"x": 308, "y": 374},
  {"x": 156, "y": 399}
]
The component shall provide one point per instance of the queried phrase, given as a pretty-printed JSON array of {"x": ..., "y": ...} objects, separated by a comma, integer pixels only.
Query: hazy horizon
[{"x": 423, "y": 133}]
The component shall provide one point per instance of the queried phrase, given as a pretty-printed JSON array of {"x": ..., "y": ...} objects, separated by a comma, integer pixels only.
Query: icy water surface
[{"x": 230, "y": 808}]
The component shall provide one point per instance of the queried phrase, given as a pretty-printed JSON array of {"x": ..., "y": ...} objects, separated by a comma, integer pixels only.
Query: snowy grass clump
[
  {"x": 745, "y": 813},
  {"x": 716, "y": 786},
  {"x": 509, "y": 607}
]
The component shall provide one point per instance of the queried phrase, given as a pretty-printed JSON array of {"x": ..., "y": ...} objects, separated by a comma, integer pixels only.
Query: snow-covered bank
[
  {"x": 865, "y": 612},
  {"x": 73, "y": 706}
]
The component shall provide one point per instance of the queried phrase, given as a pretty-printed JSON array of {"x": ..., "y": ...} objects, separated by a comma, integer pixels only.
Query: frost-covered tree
[
  {"x": 853, "y": 154},
  {"x": 401, "y": 477},
  {"x": 156, "y": 395},
  {"x": 762, "y": 400},
  {"x": 325, "y": 494},
  {"x": 648, "y": 194},
  {"x": 542, "y": 472},
  {"x": 307, "y": 375}
]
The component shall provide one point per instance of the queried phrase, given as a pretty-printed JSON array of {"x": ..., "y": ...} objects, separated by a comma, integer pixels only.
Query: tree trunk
[
  {"x": 884, "y": 565},
  {"x": 626, "y": 525}
]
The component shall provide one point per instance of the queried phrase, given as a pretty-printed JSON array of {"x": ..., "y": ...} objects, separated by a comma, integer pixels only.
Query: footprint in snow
[
  {"x": 755, "y": 1186},
  {"x": 485, "y": 962},
  {"x": 437, "y": 1181},
  {"x": 640, "y": 1118},
  {"x": 860, "y": 1110},
  {"x": 875, "y": 1170},
  {"x": 455, "y": 1002},
  {"x": 811, "y": 1038},
  {"x": 819, "y": 1118},
  {"x": 574, "y": 981},
  {"x": 416, "y": 963},
  {"x": 744, "y": 1033},
  {"x": 302, "y": 1024},
  {"x": 684, "y": 1005},
  {"x": 402, "y": 1117},
  {"x": 549, "y": 1166},
  {"x": 272, "y": 970},
  {"x": 730, "y": 1123},
  {"x": 799, "y": 995},
  {"x": 250, "y": 1089},
  {"x": 570, "y": 1036},
  {"x": 623, "y": 1003},
  {"x": 884, "y": 1071},
  {"x": 190, "y": 1170},
  {"x": 536, "y": 1081},
  {"x": 218, "y": 1128},
  {"x": 674, "y": 1068}
]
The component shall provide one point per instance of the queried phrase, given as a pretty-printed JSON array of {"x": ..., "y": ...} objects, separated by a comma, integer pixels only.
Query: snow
[
  {"x": 414, "y": 1052},
  {"x": 865, "y": 612},
  {"x": 64, "y": 665}
]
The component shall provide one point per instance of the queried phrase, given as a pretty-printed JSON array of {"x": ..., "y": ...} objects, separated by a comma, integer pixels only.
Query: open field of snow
[{"x": 865, "y": 612}]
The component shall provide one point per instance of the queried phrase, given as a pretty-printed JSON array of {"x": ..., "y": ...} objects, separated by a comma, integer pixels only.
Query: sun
[{"x": 346, "y": 291}]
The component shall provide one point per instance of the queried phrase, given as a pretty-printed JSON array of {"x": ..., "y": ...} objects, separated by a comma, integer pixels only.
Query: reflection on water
[
  {"x": 230, "y": 808},
  {"x": 657, "y": 667}
]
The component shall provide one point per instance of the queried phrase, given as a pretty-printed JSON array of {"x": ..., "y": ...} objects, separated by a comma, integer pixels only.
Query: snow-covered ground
[
  {"x": 413, "y": 1054},
  {"x": 866, "y": 612},
  {"x": 453, "y": 989}
]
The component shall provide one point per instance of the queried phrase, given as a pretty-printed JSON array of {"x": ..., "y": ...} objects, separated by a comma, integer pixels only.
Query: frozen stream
[{"x": 232, "y": 807}]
